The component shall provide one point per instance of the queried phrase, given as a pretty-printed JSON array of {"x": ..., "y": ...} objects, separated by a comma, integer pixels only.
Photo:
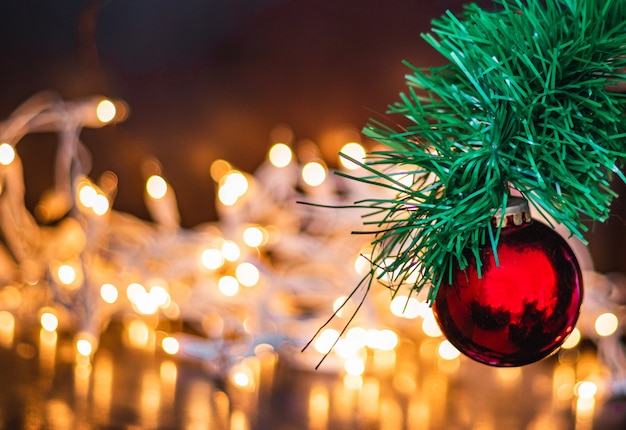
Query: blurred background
[{"x": 208, "y": 80}]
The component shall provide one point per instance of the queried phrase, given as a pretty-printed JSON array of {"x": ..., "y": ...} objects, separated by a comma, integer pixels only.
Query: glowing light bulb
[
  {"x": 66, "y": 274},
  {"x": 108, "y": 293},
  {"x": 313, "y": 173},
  {"x": 230, "y": 250},
  {"x": 160, "y": 296},
  {"x": 280, "y": 155},
  {"x": 585, "y": 389},
  {"x": 49, "y": 321},
  {"x": 355, "y": 151},
  {"x": 447, "y": 351},
  {"x": 254, "y": 236},
  {"x": 212, "y": 258},
  {"x": 354, "y": 366},
  {"x": 236, "y": 182},
  {"x": 7, "y": 154},
  {"x": 170, "y": 345},
  {"x": 430, "y": 326},
  {"x": 156, "y": 187},
  {"x": 405, "y": 307},
  {"x": 105, "y": 111},
  {"x": 362, "y": 264},
  {"x": 339, "y": 304},
  {"x": 134, "y": 291},
  {"x": 87, "y": 195},
  {"x": 357, "y": 336},
  {"x": 325, "y": 341},
  {"x": 145, "y": 303},
  {"x": 572, "y": 340},
  {"x": 219, "y": 169},
  {"x": 385, "y": 340},
  {"x": 228, "y": 285},
  {"x": 606, "y": 324},
  {"x": 84, "y": 347},
  {"x": 100, "y": 204},
  {"x": 247, "y": 274},
  {"x": 241, "y": 379}
]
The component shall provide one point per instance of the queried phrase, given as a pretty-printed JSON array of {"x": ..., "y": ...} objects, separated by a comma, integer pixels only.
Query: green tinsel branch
[{"x": 522, "y": 104}]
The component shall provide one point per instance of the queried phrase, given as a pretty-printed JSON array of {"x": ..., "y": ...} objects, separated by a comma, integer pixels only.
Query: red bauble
[{"x": 521, "y": 310}]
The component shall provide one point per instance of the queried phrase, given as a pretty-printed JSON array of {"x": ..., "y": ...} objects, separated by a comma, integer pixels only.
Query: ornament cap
[{"x": 517, "y": 212}]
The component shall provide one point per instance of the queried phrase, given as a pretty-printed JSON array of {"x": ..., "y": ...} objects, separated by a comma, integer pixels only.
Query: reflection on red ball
[{"x": 520, "y": 311}]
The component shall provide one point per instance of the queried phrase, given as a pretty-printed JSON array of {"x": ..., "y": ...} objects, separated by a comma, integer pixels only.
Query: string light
[{"x": 200, "y": 272}]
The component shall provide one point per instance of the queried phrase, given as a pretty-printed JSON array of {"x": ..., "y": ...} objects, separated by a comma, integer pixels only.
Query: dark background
[{"x": 208, "y": 79}]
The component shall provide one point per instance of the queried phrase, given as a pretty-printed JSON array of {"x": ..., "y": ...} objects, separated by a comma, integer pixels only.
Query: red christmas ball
[{"x": 520, "y": 310}]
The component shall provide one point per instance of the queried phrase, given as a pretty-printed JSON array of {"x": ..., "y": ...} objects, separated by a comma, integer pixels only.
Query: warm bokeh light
[
  {"x": 84, "y": 347},
  {"x": 280, "y": 155},
  {"x": 160, "y": 295},
  {"x": 66, "y": 274},
  {"x": 385, "y": 339},
  {"x": 447, "y": 351},
  {"x": 49, "y": 321},
  {"x": 430, "y": 326},
  {"x": 219, "y": 168},
  {"x": 109, "y": 293},
  {"x": 326, "y": 340},
  {"x": 405, "y": 307},
  {"x": 170, "y": 345},
  {"x": 354, "y": 366},
  {"x": 105, "y": 111},
  {"x": 7, "y": 154},
  {"x": 339, "y": 305},
  {"x": 572, "y": 340},
  {"x": 585, "y": 389},
  {"x": 247, "y": 274},
  {"x": 138, "y": 333},
  {"x": 228, "y": 285},
  {"x": 233, "y": 185},
  {"x": 606, "y": 324},
  {"x": 212, "y": 258},
  {"x": 87, "y": 194},
  {"x": 100, "y": 204},
  {"x": 357, "y": 336},
  {"x": 313, "y": 173},
  {"x": 134, "y": 291},
  {"x": 230, "y": 250},
  {"x": 254, "y": 236},
  {"x": 362, "y": 264},
  {"x": 156, "y": 187},
  {"x": 353, "y": 150}
]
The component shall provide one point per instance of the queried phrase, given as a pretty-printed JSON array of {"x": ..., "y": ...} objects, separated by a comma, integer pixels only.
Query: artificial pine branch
[{"x": 522, "y": 104}]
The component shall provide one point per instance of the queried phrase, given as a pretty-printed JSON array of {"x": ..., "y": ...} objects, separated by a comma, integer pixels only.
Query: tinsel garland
[{"x": 522, "y": 106}]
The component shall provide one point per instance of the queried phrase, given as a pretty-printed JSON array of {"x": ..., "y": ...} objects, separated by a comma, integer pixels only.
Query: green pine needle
[{"x": 522, "y": 103}]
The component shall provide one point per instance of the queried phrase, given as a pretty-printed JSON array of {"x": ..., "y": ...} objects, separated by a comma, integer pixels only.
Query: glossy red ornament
[{"x": 521, "y": 310}]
